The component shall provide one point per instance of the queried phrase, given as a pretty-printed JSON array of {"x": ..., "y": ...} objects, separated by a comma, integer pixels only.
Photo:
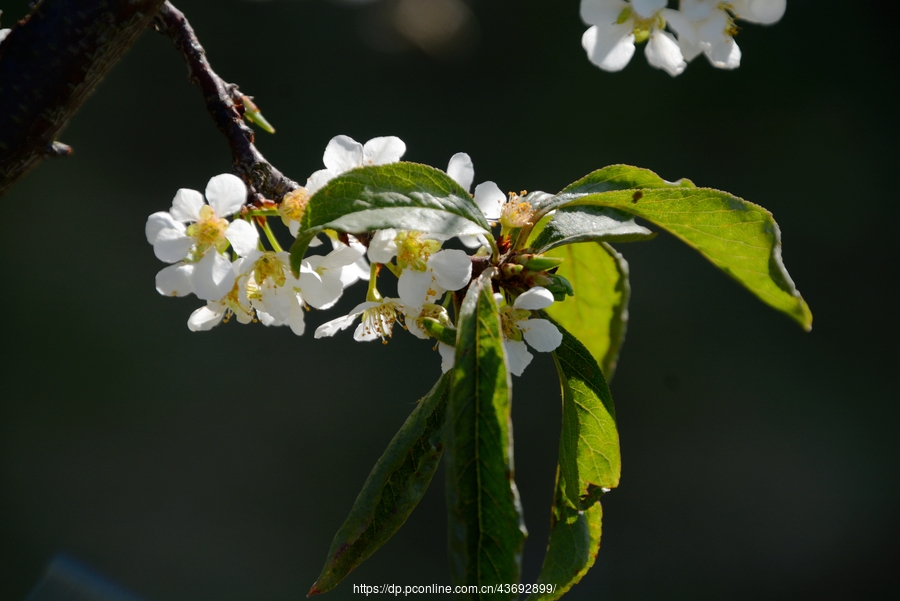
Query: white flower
[
  {"x": 272, "y": 289},
  {"x": 615, "y": 27},
  {"x": 378, "y": 319},
  {"x": 517, "y": 325},
  {"x": 322, "y": 277},
  {"x": 198, "y": 246},
  {"x": 4, "y": 33},
  {"x": 709, "y": 27},
  {"x": 343, "y": 153}
]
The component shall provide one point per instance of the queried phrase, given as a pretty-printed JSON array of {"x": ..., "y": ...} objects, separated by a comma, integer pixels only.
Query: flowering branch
[{"x": 226, "y": 105}]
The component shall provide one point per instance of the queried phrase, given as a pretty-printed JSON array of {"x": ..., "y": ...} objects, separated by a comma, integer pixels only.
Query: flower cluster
[
  {"x": 213, "y": 245},
  {"x": 699, "y": 26}
]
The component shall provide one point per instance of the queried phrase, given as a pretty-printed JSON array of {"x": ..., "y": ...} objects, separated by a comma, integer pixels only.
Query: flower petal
[
  {"x": 186, "y": 205},
  {"x": 609, "y": 47},
  {"x": 535, "y": 299},
  {"x": 517, "y": 356},
  {"x": 383, "y": 246},
  {"x": 205, "y": 318},
  {"x": 681, "y": 25},
  {"x": 725, "y": 55},
  {"x": 413, "y": 287},
  {"x": 296, "y": 319},
  {"x": 542, "y": 335},
  {"x": 172, "y": 245},
  {"x": 175, "y": 280},
  {"x": 243, "y": 237},
  {"x": 489, "y": 198},
  {"x": 343, "y": 153},
  {"x": 448, "y": 356},
  {"x": 226, "y": 194},
  {"x": 452, "y": 268},
  {"x": 601, "y": 12},
  {"x": 159, "y": 221},
  {"x": 765, "y": 12},
  {"x": 213, "y": 277},
  {"x": 462, "y": 170},
  {"x": 381, "y": 151},
  {"x": 318, "y": 179},
  {"x": 648, "y": 8},
  {"x": 340, "y": 257},
  {"x": 663, "y": 52}
]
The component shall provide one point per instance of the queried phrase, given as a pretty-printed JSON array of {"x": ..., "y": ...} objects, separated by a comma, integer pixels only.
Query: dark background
[{"x": 760, "y": 462}]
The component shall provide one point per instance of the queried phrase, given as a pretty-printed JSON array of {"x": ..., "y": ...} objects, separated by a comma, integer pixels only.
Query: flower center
[
  {"x": 515, "y": 213},
  {"x": 209, "y": 231},
  {"x": 509, "y": 321},
  {"x": 380, "y": 320},
  {"x": 293, "y": 205},
  {"x": 269, "y": 266},
  {"x": 413, "y": 252}
]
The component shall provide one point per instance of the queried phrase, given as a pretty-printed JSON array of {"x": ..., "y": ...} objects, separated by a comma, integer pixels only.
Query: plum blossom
[
  {"x": 195, "y": 235},
  {"x": 271, "y": 289},
  {"x": 616, "y": 25},
  {"x": 323, "y": 277},
  {"x": 519, "y": 327},
  {"x": 710, "y": 27},
  {"x": 378, "y": 319}
]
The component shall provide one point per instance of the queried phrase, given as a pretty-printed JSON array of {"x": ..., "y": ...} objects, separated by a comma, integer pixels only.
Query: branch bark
[
  {"x": 49, "y": 64},
  {"x": 225, "y": 104}
]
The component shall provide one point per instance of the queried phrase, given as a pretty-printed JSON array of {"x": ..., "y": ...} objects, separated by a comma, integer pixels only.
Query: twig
[{"x": 225, "y": 105}]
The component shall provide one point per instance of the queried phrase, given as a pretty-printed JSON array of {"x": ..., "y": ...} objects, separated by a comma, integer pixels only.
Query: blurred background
[{"x": 758, "y": 461}]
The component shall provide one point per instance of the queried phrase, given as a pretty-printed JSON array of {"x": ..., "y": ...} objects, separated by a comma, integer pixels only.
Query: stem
[
  {"x": 272, "y": 240},
  {"x": 372, "y": 294}
]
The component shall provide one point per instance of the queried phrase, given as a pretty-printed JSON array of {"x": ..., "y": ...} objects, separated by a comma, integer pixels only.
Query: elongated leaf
[
  {"x": 401, "y": 195},
  {"x": 584, "y": 224},
  {"x": 574, "y": 543},
  {"x": 589, "y": 459},
  {"x": 614, "y": 177},
  {"x": 392, "y": 490},
  {"x": 598, "y": 313},
  {"x": 740, "y": 238},
  {"x": 486, "y": 525}
]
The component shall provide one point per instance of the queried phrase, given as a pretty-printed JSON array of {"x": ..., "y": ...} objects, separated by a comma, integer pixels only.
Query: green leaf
[
  {"x": 598, "y": 313},
  {"x": 486, "y": 528},
  {"x": 740, "y": 238},
  {"x": 589, "y": 459},
  {"x": 584, "y": 224},
  {"x": 614, "y": 177},
  {"x": 406, "y": 196},
  {"x": 392, "y": 490},
  {"x": 574, "y": 543}
]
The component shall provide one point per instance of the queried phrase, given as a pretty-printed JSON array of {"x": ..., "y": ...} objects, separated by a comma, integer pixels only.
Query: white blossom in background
[
  {"x": 519, "y": 327},
  {"x": 616, "y": 25},
  {"x": 711, "y": 27},
  {"x": 378, "y": 319},
  {"x": 701, "y": 26},
  {"x": 194, "y": 235}
]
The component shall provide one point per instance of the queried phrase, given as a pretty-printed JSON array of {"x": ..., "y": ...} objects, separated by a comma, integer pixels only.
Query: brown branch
[
  {"x": 225, "y": 105},
  {"x": 49, "y": 64}
]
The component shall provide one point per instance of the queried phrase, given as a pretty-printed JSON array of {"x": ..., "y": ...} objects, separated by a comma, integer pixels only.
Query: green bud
[
  {"x": 443, "y": 333},
  {"x": 542, "y": 263},
  {"x": 510, "y": 269}
]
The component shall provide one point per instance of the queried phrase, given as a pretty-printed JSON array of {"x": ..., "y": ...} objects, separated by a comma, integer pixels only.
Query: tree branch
[
  {"x": 49, "y": 64},
  {"x": 225, "y": 104}
]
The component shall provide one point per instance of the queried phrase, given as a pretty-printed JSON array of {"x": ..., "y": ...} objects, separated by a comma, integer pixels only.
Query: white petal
[
  {"x": 726, "y": 55},
  {"x": 542, "y": 335},
  {"x": 318, "y": 179},
  {"x": 413, "y": 287},
  {"x": 759, "y": 11},
  {"x": 489, "y": 199},
  {"x": 226, "y": 194},
  {"x": 461, "y": 170},
  {"x": 690, "y": 50},
  {"x": 448, "y": 356},
  {"x": 648, "y": 8},
  {"x": 681, "y": 25},
  {"x": 611, "y": 47},
  {"x": 662, "y": 52},
  {"x": 172, "y": 245},
  {"x": 381, "y": 151},
  {"x": 4, "y": 33},
  {"x": 471, "y": 241},
  {"x": 296, "y": 320},
  {"x": 243, "y": 237},
  {"x": 266, "y": 319},
  {"x": 383, "y": 246},
  {"x": 321, "y": 291},
  {"x": 330, "y": 328},
  {"x": 602, "y": 12},
  {"x": 696, "y": 10},
  {"x": 158, "y": 222},
  {"x": 213, "y": 277},
  {"x": 175, "y": 280},
  {"x": 186, "y": 205},
  {"x": 534, "y": 299},
  {"x": 339, "y": 257},
  {"x": 343, "y": 153},
  {"x": 452, "y": 268},
  {"x": 517, "y": 356},
  {"x": 205, "y": 318}
]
